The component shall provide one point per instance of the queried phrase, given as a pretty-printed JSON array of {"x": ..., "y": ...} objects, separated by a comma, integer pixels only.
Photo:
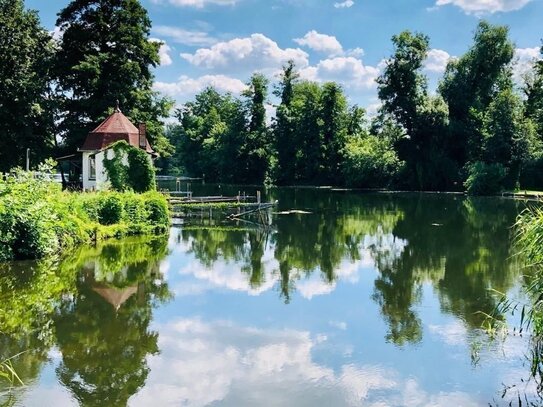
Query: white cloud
[
  {"x": 436, "y": 60},
  {"x": 189, "y": 87},
  {"x": 524, "y": 62},
  {"x": 57, "y": 33},
  {"x": 349, "y": 71},
  {"x": 321, "y": 43},
  {"x": 453, "y": 333},
  {"x": 163, "y": 52},
  {"x": 344, "y": 4},
  {"x": 203, "y": 363},
  {"x": 485, "y": 6},
  {"x": 338, "y": 324},
  {"x": 241, "y": 364},
  {"x": 197, "y": 3},
  {"x": 186, "y": 37},
  {"x": 250, "y": 53},
  {"x": 355, "y": 52}
]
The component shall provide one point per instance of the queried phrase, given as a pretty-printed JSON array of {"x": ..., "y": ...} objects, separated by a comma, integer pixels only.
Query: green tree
[
  {"x": 306, "y": 136},
  {"x": 334, "y": 116},
  {"x": 105, "y": 55},
  {"x": 403, "y": 91},
  {"x": 283, "y": 127},
  {"x": 26, "y": 50},
  {"x": 470, "y": 84},
  {"x": 255, "y": 150},
  {"x": 534, "y": 96},
  {"x": 508, "y": 137},
  {"x": 211, "y": 136}
]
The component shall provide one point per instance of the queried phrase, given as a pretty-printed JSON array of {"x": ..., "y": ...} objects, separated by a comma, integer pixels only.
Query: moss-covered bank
[{"x": 38, "y": 219}]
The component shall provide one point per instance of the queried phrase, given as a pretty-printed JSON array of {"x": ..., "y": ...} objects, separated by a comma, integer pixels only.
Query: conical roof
[
  {"x": 115, "y": 128},
  {"x": 115, "y": 296}
]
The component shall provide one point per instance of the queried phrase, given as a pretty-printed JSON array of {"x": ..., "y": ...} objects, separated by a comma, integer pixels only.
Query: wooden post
[{"x": 258, "y": 197}]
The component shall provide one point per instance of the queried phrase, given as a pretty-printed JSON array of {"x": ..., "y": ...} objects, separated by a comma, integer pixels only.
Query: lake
[{"x": 356, "y": 299}]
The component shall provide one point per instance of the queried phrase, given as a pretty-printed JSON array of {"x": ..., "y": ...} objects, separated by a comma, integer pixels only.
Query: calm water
[{"x": 368, "y": 299}]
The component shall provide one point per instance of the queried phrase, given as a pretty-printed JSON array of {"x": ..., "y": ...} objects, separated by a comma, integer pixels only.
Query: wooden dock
[{"x": 189, "y": 199}]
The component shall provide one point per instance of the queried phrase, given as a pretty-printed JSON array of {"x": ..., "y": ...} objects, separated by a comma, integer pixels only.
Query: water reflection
[
  {"x": 366, "y": 276},
  {"x": 460, "y": 246},
  {"x": 95, "y": 307}
]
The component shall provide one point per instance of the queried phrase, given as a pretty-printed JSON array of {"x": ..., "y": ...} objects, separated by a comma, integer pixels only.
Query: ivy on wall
[{"x": 138, "y": 175}]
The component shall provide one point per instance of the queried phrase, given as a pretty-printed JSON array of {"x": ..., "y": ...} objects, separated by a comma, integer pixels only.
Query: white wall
[{"x": 101, "y": 175}]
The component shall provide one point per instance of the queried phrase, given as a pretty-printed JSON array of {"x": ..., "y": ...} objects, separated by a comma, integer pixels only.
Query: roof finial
[{"x": 117, "y": 109}]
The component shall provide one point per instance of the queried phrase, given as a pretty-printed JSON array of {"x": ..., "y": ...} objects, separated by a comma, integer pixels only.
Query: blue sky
[{"x": 221, "y": 42}]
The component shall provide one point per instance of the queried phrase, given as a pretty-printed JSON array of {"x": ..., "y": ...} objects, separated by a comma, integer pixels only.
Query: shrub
[
  {"x": 134, "y": 208},
  {"x": 37, "y": 219},
  {"x": 370, "y": 162},
  {"x": 138, "y": 175},
  {"x": 485, "y": 179},
  {"x": 157, "y": 208},
  {"x": 110, "y": 210},
  {"x": 141, "y": 172},
  {"x": 34, "y": 233}
]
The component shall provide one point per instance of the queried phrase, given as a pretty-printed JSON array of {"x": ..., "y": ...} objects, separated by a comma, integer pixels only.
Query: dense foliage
[
  {"x": 137, "y": 175},
  {"x": 37, "y": 219},
  {"x": 105, "y": 55},
  {"x": 421, "y": 140},
  {"x": 26, "y": 50},
  {"x": 478, "y": 128},
  {"x": 54, "y": 89}
]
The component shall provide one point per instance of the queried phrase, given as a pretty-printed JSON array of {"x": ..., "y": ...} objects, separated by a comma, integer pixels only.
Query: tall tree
[
  {"x": 306, "y": 139},
  {"x": 105, "y": 55},
  {"x": 25, "y": 54},
  {"x": 210, "y": 135},
  {"x": 534, "y": 96},
  {"x": 334, "y": 116},
  {"x": 256, "y": 147},
  {"x": 403, "y": 90},
  {"x": 471, "y": 83},
  {"x": 284, "y": 129},
  {"x": 509, "y": 138}
]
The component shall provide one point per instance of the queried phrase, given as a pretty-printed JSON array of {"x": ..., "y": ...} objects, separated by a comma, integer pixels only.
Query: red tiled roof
[{"x": 115, "y": 128}]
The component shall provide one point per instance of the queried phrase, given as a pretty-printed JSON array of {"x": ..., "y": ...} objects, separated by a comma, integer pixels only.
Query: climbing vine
[{"x": 138, "y": 175}]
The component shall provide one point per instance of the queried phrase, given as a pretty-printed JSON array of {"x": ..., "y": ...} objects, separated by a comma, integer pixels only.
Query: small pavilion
[{"x": 88, "y": 163}]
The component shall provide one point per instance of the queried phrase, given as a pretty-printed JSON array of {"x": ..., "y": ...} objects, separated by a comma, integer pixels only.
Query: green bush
[
  {"x": 110, "y": 210},
  {"x": 485, "y": 179},
  {"x": 157, "y": 209},
  {"x": 134, "y": 208},
  {"x": 138, "y": 176},
  {"x": 37, "y": 219},
  {"x": 370, "y": 162},
  {"x": 141, "y": 173}
]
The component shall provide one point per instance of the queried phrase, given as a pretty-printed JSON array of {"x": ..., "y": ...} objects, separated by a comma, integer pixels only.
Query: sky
[{"x": 222, "y": 42}]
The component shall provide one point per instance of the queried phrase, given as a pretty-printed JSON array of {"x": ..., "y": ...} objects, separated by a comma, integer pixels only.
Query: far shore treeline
[{"x": 481, "y": 131}]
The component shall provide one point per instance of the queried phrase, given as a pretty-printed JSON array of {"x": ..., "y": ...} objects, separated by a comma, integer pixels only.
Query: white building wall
[{"x": 101, "y": 176}]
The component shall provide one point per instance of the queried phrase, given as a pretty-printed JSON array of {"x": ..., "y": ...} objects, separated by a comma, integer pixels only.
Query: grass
[{"x": 8, "y": 373}]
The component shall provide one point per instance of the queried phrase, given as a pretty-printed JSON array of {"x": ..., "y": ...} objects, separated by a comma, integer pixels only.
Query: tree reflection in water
[
  {"x": 100, "y": 325},
  {"x": 460, "y": 246},
  {"x": 96, "y": 306}
]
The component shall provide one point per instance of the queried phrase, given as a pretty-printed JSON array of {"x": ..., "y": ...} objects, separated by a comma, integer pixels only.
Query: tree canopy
[
  {"x": 26, "y": 50},
  {"x": 105, "y": 55}
]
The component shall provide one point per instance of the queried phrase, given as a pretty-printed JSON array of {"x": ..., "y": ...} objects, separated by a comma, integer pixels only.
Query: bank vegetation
[{"x": 38, "y": 219}]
